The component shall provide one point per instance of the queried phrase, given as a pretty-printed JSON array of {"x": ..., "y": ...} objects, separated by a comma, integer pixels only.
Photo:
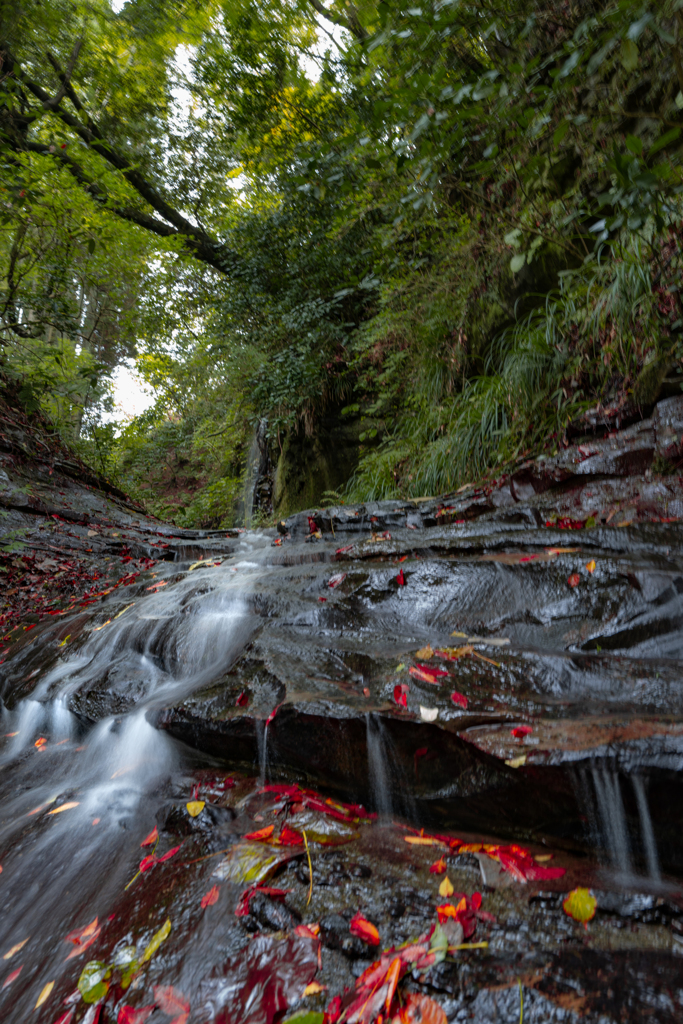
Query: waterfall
[
  {"x": 646, "y": 829},
  {"x": 378, "y": 767},
  {"x": 262, "y": 747},
  {"x": 608, "y": 825},
  {"x": 250, "y": 479},
  {"x": 613, "y": 818}
]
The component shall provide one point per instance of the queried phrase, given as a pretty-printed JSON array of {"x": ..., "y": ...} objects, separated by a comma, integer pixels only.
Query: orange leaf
[
  {"x": 172, "y": 1002},
  {"x": 391, "y": 980},
  {"x": 313, "y": 988},
  {"x": 590, "y": 566},
  {"x": 15, "y": 949},
  {"x": 209, "y": 898},
  {"x": 262, "y": 835},
  {"x": 420, "y": 840},
  {"x": 151, "y": 838},
  {"x": 64, "y": 807},
  {"x": 364, "y": 930},
  {"x": 439, "y": 867},
  {"x": 419, "y": 1009}
]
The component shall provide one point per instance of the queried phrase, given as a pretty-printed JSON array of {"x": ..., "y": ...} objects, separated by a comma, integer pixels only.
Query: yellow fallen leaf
[
  {"x": 45, "y": 994},
  {"x": 541, "y": 857},
  {"x": 119, "y": 614},
  {"x": 516, "y": 762},
  {"x": 202, "y": 561},
  {"x": 64, "y": 640},
  {"x": 446, "y": 887},
  {"x": 15, "y": 949},
  {"x": 580, "y": 904},
  {"x": 456, "y": 633},
  {"x": 95, "y": 628},
  {"x": 424, "y": 653},
  {"x": 420, "y": 840},
  {"x": 590, "y": 566},
  {"x": 562, "y": 551},
  {"x": 65, "y": 807},
  {"x": 313, "y": 989},
  {"x": 195, "y": 807},
  {"x": 156, "y": 940},
  {"x": 470, "y": 945}
]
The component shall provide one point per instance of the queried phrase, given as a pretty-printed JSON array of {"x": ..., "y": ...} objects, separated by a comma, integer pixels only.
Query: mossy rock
[{"x": 325, "y": 461}]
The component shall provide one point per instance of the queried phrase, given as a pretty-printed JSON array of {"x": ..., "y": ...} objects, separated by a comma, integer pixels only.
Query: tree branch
[
  {"x": 352, "y": 24},
  {"x": 202, "y": 245}
]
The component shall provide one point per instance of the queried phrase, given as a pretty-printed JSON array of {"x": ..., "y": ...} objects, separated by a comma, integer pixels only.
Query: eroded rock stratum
[{"x": 495, "y": 674}]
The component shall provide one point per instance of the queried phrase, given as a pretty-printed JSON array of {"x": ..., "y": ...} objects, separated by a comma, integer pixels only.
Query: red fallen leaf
[
  {"x": 210, "y": 897},
  {"x": 290, "y": 837},
  {"x": 129, "y": 1015},
  {"x": 459, "y": 698},
  {"x": 574, "y": 580},
  {"x": 341, "y": 551},
  {"x": 438, "y": 867},
  {"x": 364, "y": 930},
  {"x": 242, "y": 699},
  {"x": 262, "y": 835},
  {"x": 172, "y": 1002},
  {"x": 401, "y": 695},
  {"x": 13, "y": 976},
  {"x": 308, "y": 931},
  {"x": 400, "y": 579},
  {"x": 335, "y": 580},
  {"x": 169, "y": 854},
  {"x": 242, "y": 908},
  {"x": 476, "y": 900},
  {"x": 151, "y": 839},
  {"x": 273, "y": 713},
  {"x": 323, "y": 599},
  {"x": 151, "y": 859},
  {"x": 333, "y": 1011},
  {"x": 521, "y": 730}
]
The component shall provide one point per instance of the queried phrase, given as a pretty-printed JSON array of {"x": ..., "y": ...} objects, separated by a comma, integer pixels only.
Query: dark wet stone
[
  {"x": 334, "y": 932},
  {"x": 271, "y": 914}
]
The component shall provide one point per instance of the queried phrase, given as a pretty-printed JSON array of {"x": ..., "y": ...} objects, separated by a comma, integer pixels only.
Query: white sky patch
[{"x": 131, "y": 395}]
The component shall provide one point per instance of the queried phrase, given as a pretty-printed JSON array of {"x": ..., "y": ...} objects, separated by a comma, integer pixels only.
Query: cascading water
[
  {"x": 600, "y": 793},
  {"x": 74, "y": 791},
  {"x": 378, "y": 766},
  {"x": 386, "y": 778}
]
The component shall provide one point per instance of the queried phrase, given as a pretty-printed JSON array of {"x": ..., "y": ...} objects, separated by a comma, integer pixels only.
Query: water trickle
[
  {"x": 613, "y": 818},
  {"x": 647, "y": 831},
  {"x": 378, "y": 768},
  {"x": 262, "y": 747}
]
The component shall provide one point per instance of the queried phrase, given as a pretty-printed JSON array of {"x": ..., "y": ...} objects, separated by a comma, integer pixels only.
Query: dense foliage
[{"x": 457, "y": 222}]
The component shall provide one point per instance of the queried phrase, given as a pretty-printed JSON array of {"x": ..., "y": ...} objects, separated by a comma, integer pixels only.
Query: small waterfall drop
[
  {"x": 600, "y": 794},
  {"x": 646, "y": 828},
  {"x": 262, "y": 747},
  {"x": 378, "y": 768},
  {"x": 613, "y": 818}
]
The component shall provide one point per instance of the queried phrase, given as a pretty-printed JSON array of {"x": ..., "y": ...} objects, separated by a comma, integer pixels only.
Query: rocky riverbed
[{"x": 241, "y": 768}]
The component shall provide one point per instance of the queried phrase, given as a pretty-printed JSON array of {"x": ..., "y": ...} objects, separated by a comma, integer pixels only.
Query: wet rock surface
[{"x": 494, "y": 670}]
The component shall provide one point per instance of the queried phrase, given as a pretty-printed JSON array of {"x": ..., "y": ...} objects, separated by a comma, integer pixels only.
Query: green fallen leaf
[{"x": 93, "y": 984}]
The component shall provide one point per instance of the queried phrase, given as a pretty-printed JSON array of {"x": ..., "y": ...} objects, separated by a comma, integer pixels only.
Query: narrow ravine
[{"x": 470, "y": 699}]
